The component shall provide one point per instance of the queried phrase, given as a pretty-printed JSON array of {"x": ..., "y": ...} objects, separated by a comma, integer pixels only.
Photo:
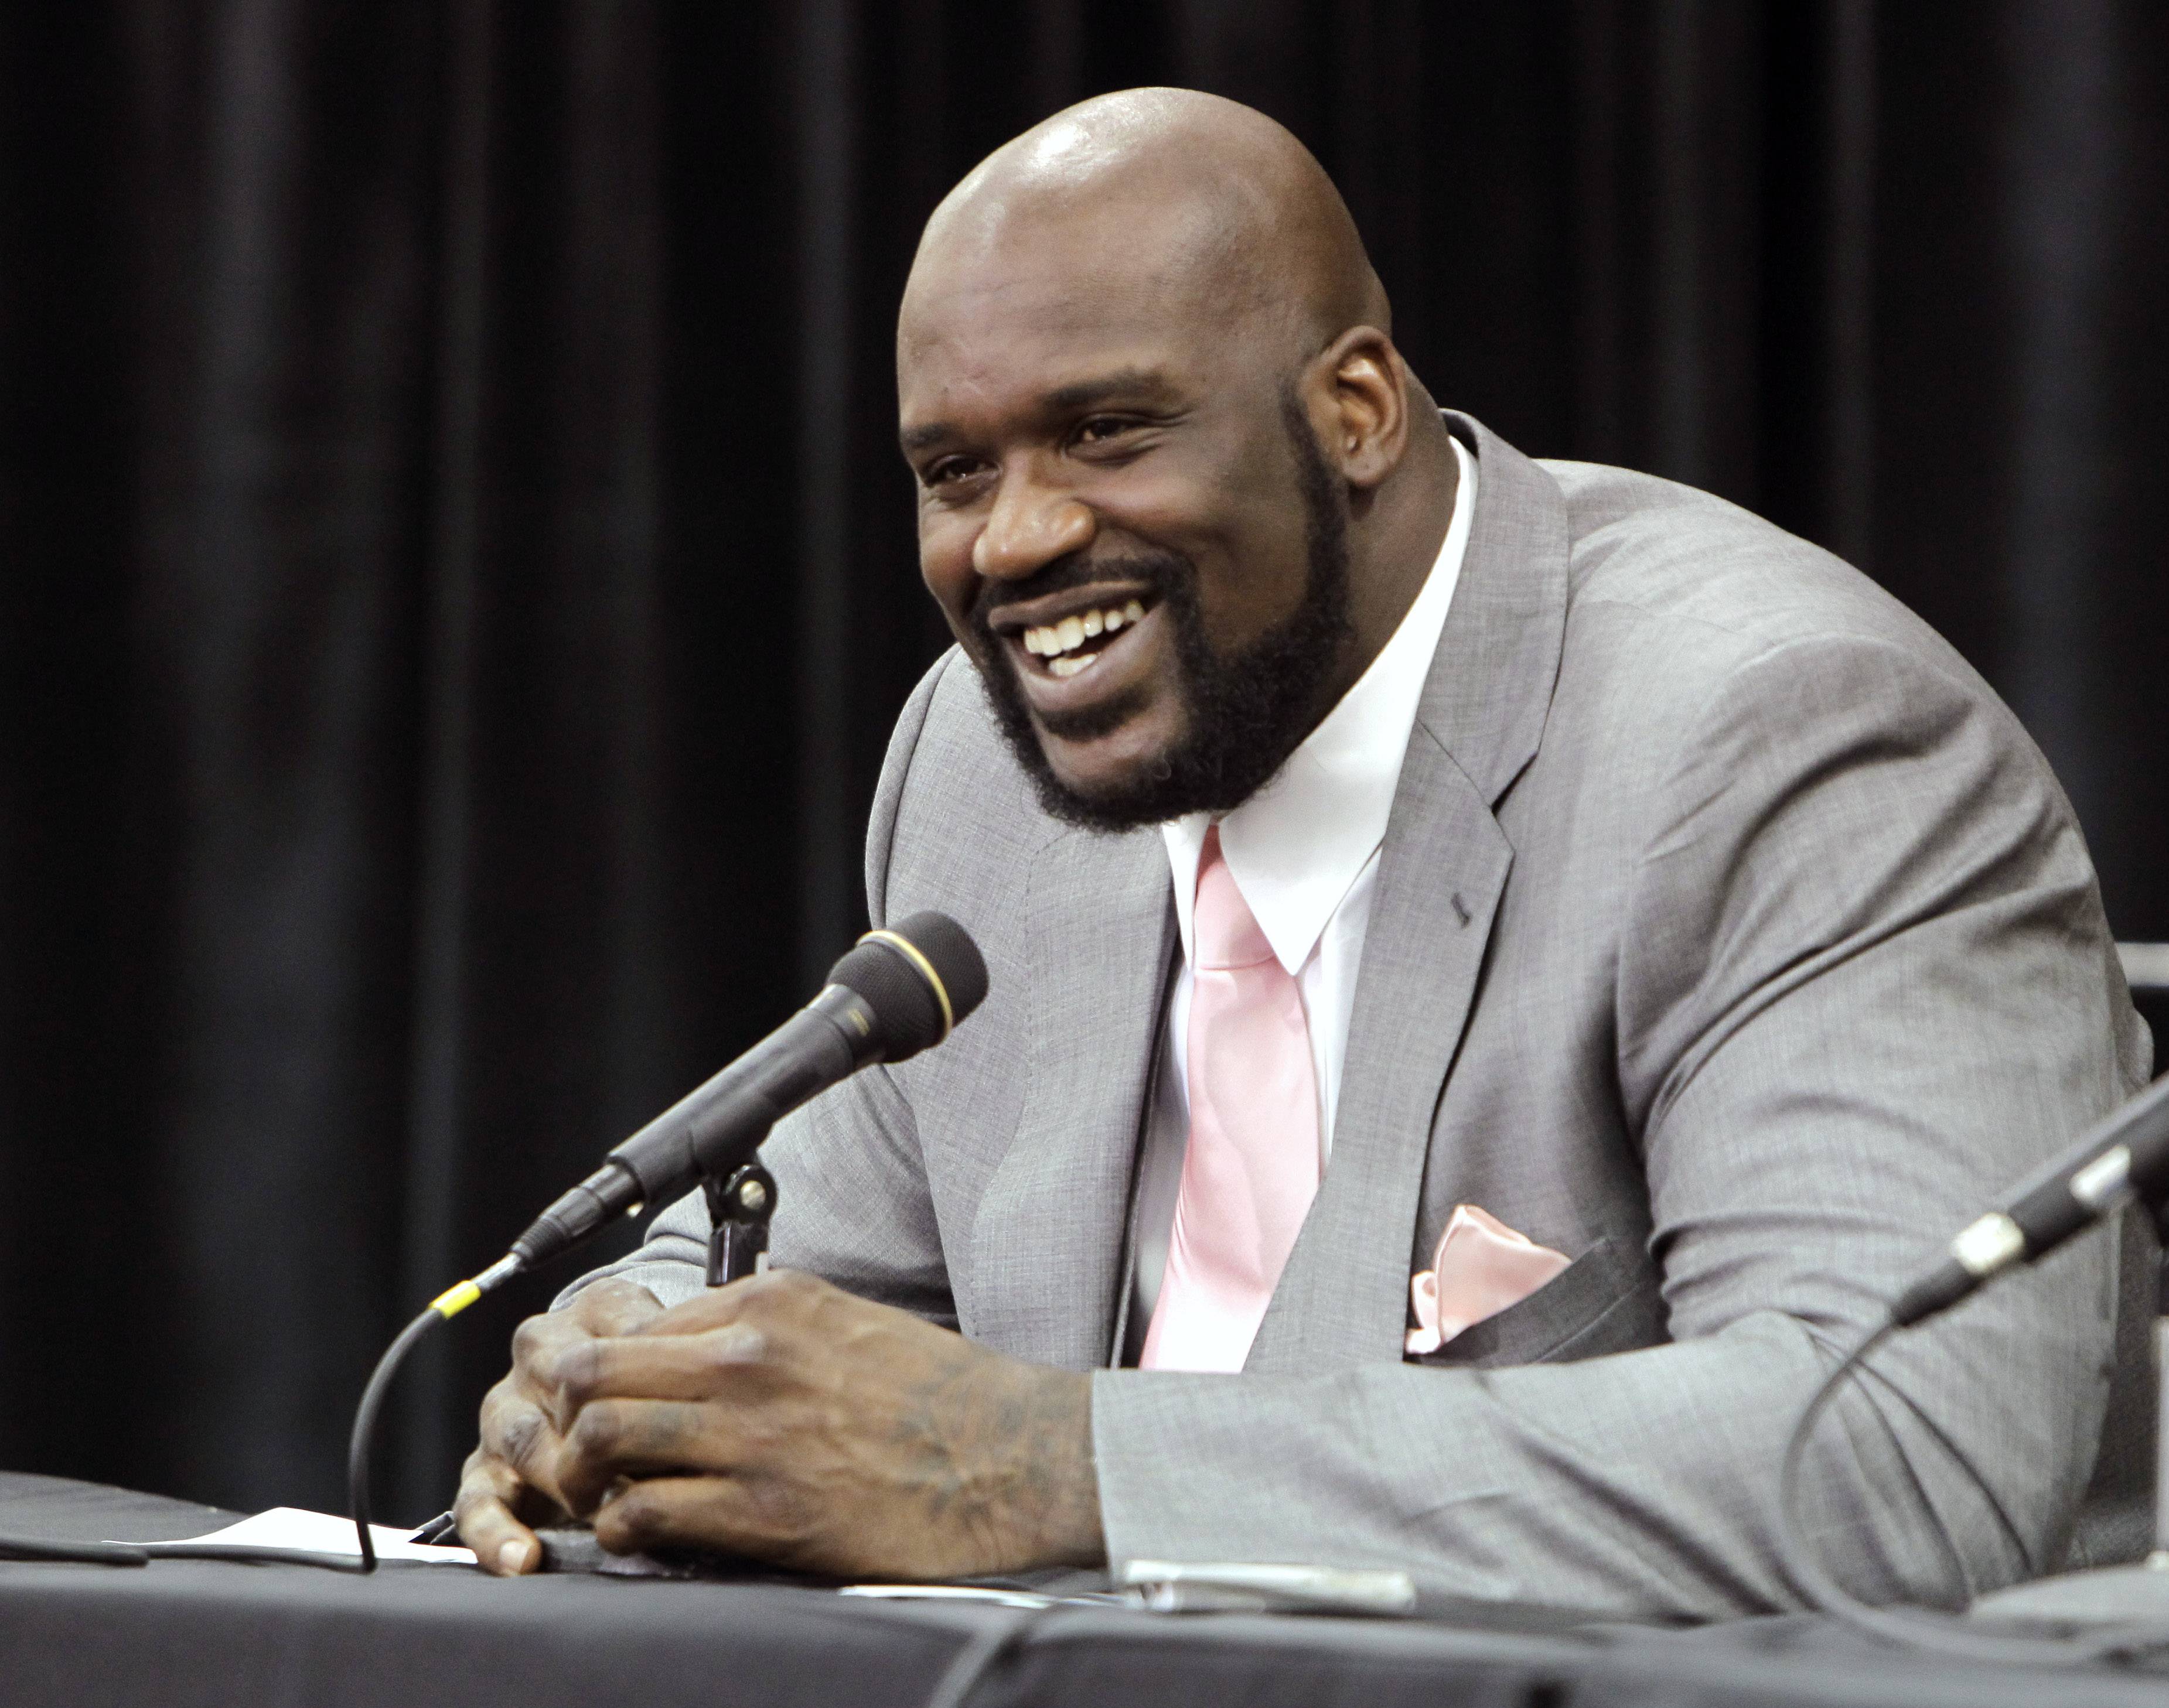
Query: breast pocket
[{"x": 1606, "y": 1300}]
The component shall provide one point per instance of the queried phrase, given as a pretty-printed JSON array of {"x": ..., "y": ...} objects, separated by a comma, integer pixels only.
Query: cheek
[
  {"x": 1241, "y": 523},
  {"x": 945, "y": 565},
  {"x": 1260, "y": 585}
]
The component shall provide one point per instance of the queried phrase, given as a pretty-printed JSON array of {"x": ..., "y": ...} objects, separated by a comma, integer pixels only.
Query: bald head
[
  {"x": 1216, "y": 209},
  {"x": 1176, "y": 486}
]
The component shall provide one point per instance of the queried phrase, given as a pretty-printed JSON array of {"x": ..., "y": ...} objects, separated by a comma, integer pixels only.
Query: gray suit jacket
[{"x": 1729, "y": 936}]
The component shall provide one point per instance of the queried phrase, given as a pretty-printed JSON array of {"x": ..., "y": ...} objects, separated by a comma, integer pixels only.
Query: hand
[
  {"x": 511, "y": 1480},
  {"x": 782, "y": 1418}
]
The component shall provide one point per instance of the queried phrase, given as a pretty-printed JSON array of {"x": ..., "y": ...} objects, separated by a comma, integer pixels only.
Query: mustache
[{"x": 1164, "y": 574}]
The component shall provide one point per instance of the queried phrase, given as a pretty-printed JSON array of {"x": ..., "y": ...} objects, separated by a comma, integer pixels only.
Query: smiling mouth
[{"x": 1072, "y": 646}]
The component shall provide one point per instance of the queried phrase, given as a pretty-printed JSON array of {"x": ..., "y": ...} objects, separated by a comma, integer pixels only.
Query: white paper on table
[
  {"x": 950, "y": 1592},
  {"x": 325, "y": 1532}
]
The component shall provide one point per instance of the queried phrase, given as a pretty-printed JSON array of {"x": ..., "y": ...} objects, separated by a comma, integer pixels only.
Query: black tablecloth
[{"x": 200, "y": 1632}]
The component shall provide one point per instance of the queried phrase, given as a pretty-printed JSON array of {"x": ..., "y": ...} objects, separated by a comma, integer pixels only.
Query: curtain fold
[{"x": 458, "y": 578}]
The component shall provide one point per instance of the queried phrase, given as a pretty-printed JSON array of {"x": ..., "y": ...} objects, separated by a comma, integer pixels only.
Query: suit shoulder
[
  {"x": 1684, "y": 559},
  {"x": 1693, "y": 625}
]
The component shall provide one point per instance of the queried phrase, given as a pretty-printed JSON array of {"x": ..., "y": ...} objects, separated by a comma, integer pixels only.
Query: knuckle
[
  {"x": 574, "y": 1370},
  {"x": 774, "y": 1295},
  {"x": 502, "y": 1395},
  {"x": 790, "y": 1284},
  {"x": 631, "y": 1512},
  {"x": 781, "y": 1515},
  {"x": 516, "y": 1436},
  {"x": 597, "y": 1432},
  {"x": 734, "y": 1346},
  {"x": 531, "y": 1340}
]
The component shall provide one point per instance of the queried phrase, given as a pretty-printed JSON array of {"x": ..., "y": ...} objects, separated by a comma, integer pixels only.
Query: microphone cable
[
  {"x": 443, "y": 1308},
  {"x": 1917, "y": 1627}
]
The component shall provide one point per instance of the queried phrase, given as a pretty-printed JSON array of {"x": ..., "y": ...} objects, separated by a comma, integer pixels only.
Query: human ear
[{"x": 1366, "y": 412}]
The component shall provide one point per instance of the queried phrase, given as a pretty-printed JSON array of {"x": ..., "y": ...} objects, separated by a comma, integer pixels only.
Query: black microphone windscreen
[
  {"x": 954, "y": 957},
  {"x": 908, "y": 1008}
]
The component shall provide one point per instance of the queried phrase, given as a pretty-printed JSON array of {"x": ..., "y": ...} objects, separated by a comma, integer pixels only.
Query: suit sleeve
[
  {"x": 852, "y": 1202},
  {"x": 1863, "y": 983}
]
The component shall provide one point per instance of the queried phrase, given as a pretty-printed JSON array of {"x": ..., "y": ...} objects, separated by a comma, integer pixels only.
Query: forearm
[{"x": 1645, "y": 1483}]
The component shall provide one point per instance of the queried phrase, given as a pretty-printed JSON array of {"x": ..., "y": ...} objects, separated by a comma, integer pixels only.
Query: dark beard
[{"x": 1245, "y": 713}]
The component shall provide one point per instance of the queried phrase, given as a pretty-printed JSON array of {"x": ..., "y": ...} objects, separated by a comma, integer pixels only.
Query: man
[{"x": 1377, "y": 840}]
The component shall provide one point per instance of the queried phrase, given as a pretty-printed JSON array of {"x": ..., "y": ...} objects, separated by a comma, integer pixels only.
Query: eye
[
  {"x": 949, "y": 471},
  {"x": 1098, "y": 430}
]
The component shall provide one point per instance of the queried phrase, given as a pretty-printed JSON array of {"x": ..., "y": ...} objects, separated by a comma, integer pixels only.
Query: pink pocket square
[{"x": 1481, "y": 1267}]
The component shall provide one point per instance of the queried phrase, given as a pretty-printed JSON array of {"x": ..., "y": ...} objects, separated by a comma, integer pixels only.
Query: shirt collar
[{"x": 1296, "y": 846}]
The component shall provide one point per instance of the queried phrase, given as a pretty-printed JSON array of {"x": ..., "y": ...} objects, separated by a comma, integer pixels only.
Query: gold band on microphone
[{"x": 905, "y": 947}]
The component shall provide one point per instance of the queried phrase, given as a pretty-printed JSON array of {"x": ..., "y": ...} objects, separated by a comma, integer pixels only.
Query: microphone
[
  {"x": 2126, "y": 1152},
  {"x": 898, "y": 992}
]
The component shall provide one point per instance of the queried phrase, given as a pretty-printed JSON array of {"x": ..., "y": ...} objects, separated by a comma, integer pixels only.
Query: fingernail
[{"x": 512, "y": 1557}]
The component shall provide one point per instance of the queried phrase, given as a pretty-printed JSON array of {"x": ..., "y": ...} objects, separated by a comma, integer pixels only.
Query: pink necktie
[{"x": 1251, "y": 1168}]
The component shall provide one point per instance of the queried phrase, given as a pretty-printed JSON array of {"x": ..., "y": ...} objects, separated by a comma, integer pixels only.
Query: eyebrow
[
  {"x": 1086, "y": 392},
  {"x": 918, "y": 439},
  {"x": 1063, "y": 399}
]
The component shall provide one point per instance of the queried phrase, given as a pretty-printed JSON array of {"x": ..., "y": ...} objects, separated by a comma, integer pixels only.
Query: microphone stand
[
  {"x": 2132, "y": 1594},
  {"x": 739, "y": 1206}
]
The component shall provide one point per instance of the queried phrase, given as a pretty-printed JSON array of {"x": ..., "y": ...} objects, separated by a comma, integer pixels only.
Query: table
[{"x": 184, "y": 1633}]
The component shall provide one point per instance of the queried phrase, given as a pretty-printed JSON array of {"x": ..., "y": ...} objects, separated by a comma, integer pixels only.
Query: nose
[{"x": 1030, "y": 525}]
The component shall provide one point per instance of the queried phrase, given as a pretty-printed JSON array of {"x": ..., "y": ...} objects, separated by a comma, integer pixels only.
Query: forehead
[
  {"x": 1052, "y": 308},
  {"x": 975, "y": 366}
]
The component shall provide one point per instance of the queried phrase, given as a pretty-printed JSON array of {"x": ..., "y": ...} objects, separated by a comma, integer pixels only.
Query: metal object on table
[
  {"x": 2146, "y": 967},
  {"x": 739, "y": 1206}
]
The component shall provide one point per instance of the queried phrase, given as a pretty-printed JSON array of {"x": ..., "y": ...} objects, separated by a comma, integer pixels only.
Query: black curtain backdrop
[{"x": 456, "y": 576}]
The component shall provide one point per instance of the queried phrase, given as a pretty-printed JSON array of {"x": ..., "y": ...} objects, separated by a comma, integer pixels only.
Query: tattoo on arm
[{"x": 1008, "y": 1461}]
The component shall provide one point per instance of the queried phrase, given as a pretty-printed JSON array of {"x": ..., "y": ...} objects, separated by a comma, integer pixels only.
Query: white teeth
[
  {"x": 1066, "y": 667},
  {"x": 1052, "y": 641}
]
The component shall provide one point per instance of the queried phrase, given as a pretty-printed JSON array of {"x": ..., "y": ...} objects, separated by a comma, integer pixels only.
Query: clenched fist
[{"x": 783, "y": 1418}]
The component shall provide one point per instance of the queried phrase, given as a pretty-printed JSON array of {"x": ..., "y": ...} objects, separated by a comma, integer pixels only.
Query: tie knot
[{"x": 1225, "y": 931}]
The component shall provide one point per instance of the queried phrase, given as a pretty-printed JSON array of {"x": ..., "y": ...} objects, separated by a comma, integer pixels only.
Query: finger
[
  {"x": 608, "y": 1308},
  {"x": 502, "y": 1546},
  {"x": 719, "y": 1513},
  {"x": 614, "y": 1307},
  {"x": 521, "y": 1435},
  {"x": 540, "y": 1348},
  {"x": 536, "y": 1345},
  {"x": 659, "y": 1367},
  {"x": 615, "y": 1439},
  {"x": 713, "y": 1307}
]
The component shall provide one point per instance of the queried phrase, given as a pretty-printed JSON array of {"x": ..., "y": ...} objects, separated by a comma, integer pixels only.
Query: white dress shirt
[{"x": 1304, "y": 852}]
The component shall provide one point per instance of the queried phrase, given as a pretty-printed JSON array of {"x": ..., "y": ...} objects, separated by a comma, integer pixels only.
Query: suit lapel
[
  {"x": 1048, "y": 1238},
  {"x": 1342, "y": 1299}
]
